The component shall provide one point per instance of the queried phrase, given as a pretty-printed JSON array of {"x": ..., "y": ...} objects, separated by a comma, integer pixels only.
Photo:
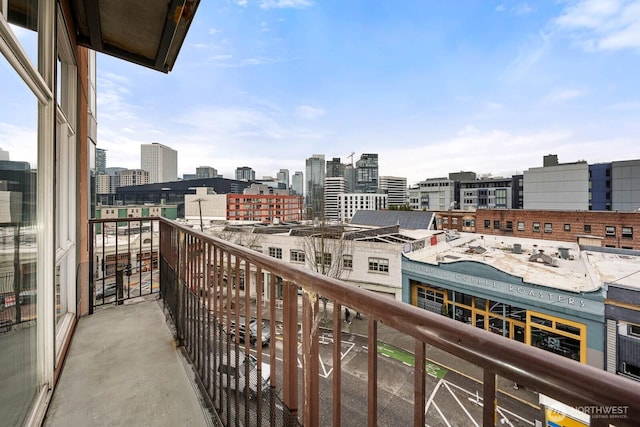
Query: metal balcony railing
[
  {"x": 123, "y": 260},
  {"x": 209, "y": 286}
]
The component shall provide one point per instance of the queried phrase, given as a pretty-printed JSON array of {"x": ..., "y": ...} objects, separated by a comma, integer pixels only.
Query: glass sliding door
[{"x": 19, "y": 244}]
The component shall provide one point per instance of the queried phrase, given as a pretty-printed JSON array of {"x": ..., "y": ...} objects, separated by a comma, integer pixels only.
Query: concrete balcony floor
[{"x": 123, "y": 369}]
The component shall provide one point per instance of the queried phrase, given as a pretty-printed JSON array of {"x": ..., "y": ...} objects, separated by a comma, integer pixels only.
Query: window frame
[
  {"x": 378, "y": 265},
  {"x": 275, "y": 252}
]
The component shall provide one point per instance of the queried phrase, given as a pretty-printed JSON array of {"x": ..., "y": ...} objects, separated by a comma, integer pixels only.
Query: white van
[{"x": 228, "y": 368}]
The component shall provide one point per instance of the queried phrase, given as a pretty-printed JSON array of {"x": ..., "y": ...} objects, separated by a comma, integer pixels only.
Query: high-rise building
[
  {"x": 4, "y": 155},
  {"x": 367, "y": 173},
  {"x": 101, "y": 161},
  {"x": 206, "y": 172},
  {"x": 160, "y": 161},
  {"x": 333, "y": 188},
  {"x": 314, "y": 196},
  {"x": 297, "y": 183},
  {"x": 335, "y": 168},
  {"x": 283, "y": 177},
  {"x": 129, "y": 177},
  {"x": 104, "y": 184},
  {"x": 396, "y": 190},
  {"x": 245, "y": 173}
]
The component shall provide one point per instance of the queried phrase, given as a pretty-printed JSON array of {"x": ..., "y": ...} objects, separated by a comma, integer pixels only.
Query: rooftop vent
[
  {"x": 564, "y": 253},
  {"x": 542, "y": 258},
  {"x": 517, "y": 248},
  {"x": 476, "y": 250}
]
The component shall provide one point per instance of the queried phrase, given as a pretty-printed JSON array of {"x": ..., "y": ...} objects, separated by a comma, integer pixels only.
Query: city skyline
[{"x": 487, "y": 87}]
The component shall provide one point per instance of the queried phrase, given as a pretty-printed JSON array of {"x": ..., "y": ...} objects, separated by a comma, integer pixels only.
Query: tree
[{"x": 326, "y": 250}]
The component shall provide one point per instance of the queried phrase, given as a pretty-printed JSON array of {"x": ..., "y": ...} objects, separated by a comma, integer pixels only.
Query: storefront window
[
  {"x": 559, "y": 336},
  {"x": 555, "y": 343}
]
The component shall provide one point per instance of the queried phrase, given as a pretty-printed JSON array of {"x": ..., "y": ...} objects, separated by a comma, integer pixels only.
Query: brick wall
[{"x": 563, "y": 225}]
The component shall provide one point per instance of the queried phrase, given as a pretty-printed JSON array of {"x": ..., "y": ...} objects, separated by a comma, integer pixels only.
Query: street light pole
[{"x": 200, "y": 211}]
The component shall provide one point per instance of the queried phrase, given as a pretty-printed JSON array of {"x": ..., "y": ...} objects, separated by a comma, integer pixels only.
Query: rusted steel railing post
[
  {"x": 290, "y": 353},
  {"x": 419, "y": 385},
  {"x": 489, "y": 399},
  {"x": 373, "y": 373}
]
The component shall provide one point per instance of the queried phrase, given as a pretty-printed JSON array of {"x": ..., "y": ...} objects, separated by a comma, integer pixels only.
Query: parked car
[
  {"x": 253, "y": 331},
  {"x": 105, "y": 291},
  {"x": 228, "y": 370}
]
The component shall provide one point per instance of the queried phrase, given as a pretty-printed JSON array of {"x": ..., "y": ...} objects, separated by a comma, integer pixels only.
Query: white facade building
[
  {"x": 333, "y": 188},
  {"x": 396, "y": 188},
  {"x": 557, "y": 187},
  {"x": 350, "y": 203},
  {"x": 367, "y": 264},
  {"x": 105, "y": 184},
  {"x": 212, "y": 207},
  {"x": 160, "y": 161},
  {"x": 129, "y": 177},
  {"x": 433, "y": 194}
]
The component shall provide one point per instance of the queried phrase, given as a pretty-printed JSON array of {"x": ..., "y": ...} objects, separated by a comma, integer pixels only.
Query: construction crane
[{"x": 351, "y": 155}]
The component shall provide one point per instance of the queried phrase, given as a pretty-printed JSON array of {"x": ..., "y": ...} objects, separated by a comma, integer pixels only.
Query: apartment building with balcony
[
  {"x": 45, "y": 47},
  {"x": 432, "y": 194},
  {"x": 48, "y": 259},
  {"x": 491, "y": 193}
]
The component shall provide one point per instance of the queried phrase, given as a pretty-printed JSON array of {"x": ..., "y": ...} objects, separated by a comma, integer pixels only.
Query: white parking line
[
  {"x": 446, "y": 384},
  {"x": 503, "y": 419},
  {"x": 441, "y": 415},
  {"x": 433, "y": 394},
  {"x": 479, "y": 401}
]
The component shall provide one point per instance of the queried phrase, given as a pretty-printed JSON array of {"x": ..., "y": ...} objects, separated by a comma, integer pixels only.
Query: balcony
[{"x": 316, "y": 369}]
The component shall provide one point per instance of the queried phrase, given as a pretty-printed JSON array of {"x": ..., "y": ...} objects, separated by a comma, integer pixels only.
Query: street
[{"x": 453, "y": 399}]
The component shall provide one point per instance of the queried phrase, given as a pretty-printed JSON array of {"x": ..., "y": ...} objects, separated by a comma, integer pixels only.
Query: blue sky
[{"x": 432, "y": 87}]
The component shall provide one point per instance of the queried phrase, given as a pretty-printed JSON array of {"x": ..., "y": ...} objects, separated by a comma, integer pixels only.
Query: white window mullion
[{"x": 45, "y": 192}]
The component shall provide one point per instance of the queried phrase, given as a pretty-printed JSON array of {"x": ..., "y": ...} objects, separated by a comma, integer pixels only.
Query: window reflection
[{"x": 18, "y": 245}]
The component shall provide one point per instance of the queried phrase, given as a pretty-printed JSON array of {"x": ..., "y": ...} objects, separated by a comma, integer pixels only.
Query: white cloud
[
  {"x": 500, "y": 8},
  {"x": 522, "y": 9},
  {"x": 264, "y": 26},
  {"x": 308, "y": 112},
  {"x": 20, "y": 142},
  {"x": 213, "y": 31},
  {"x": 564, "y": 95},
  {"x": 528, "y": 57},
  {"x": 281, "y": 4},
  {"x": 242, "y": 3},
  {"x": 603, "y": 24}
]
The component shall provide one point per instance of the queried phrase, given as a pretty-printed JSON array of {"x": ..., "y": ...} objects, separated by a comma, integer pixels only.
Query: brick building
[
  {"x": 614, "y": 229},
  {"x": 456, "y": 220}
]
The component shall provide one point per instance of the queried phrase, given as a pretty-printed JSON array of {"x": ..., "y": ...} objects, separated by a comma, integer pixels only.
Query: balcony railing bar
[
  {"x": 337, "y": 364},
  {"x": 372, "y": 356},
  {"x": 420, "y": 385},
  {"x": 560, "y": 378}
]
